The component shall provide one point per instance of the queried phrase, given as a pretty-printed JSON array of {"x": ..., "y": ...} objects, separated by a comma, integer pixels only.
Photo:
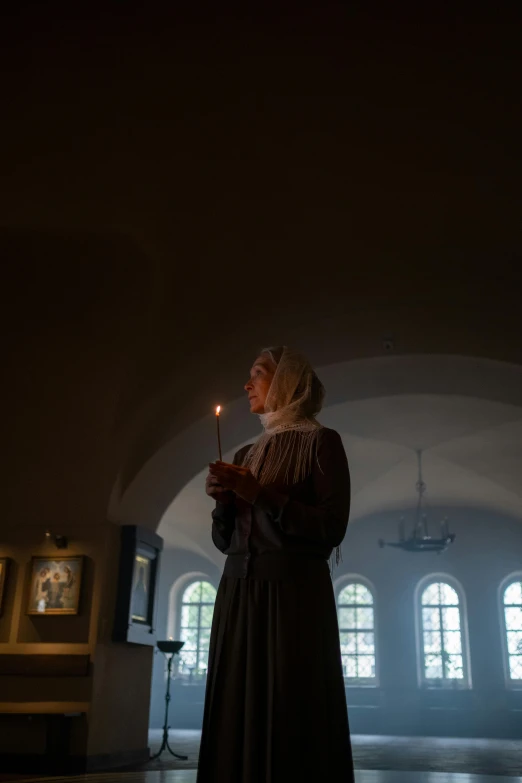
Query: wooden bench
[
  {"x": 57, "y": 720},
  {"x": 58, "y": 716}
]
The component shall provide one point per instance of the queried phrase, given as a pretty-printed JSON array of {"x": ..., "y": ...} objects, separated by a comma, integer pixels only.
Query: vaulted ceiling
[
  {"x": 264, "y": 173},
  {"x": 178, "y": 191}
]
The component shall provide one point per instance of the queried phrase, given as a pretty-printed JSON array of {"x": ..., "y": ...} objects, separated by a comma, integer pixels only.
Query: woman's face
[{"x": 258, "y": 385}]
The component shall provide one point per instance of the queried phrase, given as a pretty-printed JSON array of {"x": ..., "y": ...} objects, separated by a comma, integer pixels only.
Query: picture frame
[
  {"x": 135, "y": 611},
  {"x": 55, "y": 585},
  {"x": 4, "y": 568}
]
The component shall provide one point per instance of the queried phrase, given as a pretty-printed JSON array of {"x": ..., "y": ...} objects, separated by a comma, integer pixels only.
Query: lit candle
[{"x": 218, "y": 411}]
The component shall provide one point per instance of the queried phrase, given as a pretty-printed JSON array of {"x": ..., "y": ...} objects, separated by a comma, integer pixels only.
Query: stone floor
[
  {"x": 361, "y": 776},
  {"x": 377, "y": 760},
  {"x": 422, "y": 754}
]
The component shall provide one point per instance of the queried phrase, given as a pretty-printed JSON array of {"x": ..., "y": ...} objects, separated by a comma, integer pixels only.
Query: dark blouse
[{"x": 308, "y": 518}]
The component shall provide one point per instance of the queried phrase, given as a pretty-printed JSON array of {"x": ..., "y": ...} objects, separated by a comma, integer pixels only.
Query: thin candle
[{"x": 218, "y": 411}]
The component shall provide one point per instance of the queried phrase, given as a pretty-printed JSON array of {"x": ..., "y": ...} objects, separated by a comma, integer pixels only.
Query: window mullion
[
  {"x": 356, "y": 642},
  {"x": 199, "y": 633},
  {"x": 442, "y": 646}
]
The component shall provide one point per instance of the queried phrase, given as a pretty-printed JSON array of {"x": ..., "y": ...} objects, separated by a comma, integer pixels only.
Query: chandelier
[{"x": 419, "y": 540}]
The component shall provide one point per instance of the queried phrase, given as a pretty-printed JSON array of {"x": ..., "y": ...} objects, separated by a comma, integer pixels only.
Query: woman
[{"x": 275, "y": 706}]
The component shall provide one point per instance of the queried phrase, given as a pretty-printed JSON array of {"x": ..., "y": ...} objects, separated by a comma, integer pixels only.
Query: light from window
[
  {"x": 357, "y": 633},
  {"x": 197, "y": 608},
  {"x": 442, "y": 634},
  {"x": 513, "y": 620}
]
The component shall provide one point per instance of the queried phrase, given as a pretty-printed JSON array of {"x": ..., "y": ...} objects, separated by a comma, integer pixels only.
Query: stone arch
[{"x": 177, "y": 461}]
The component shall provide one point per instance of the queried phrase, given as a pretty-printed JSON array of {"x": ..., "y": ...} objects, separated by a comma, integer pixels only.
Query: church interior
[{"x": 179, "y": 190}]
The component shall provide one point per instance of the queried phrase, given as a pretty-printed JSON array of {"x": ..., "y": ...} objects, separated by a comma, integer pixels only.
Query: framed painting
[
  {"x": 134, "y": 620},
  {"x": 55, "y": 585},
  {"x": 4, "y": 565}
]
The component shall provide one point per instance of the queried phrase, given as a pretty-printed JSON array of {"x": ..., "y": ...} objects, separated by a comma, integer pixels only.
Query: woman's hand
[
  {"x": 236, "y": 479},
  {"x": 216, "y": 490}
]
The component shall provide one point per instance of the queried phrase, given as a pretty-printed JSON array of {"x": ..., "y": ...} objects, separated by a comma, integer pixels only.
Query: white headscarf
[{"x": 293, "y": 400}]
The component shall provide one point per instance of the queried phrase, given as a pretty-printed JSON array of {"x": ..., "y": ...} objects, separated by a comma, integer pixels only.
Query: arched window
[
  {"x": 512, "y": 601},
  {"x": 197, "y": 608},
  {"x": 355, "y": 609},
  {"x": 443, "y": 654}
]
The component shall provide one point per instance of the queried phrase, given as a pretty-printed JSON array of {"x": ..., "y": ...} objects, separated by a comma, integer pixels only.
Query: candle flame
[{"x": 218, "y": 410}]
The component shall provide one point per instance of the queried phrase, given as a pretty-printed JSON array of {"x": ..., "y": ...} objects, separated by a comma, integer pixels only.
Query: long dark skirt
[{"x": 275, "y": 706}]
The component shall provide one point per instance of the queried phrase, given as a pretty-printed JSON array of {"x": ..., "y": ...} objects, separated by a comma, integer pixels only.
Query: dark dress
[{"x": 275, "y": 705}]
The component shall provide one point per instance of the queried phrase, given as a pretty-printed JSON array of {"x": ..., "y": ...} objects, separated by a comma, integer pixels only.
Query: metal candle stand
[{"x": 169, "y": 649}]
